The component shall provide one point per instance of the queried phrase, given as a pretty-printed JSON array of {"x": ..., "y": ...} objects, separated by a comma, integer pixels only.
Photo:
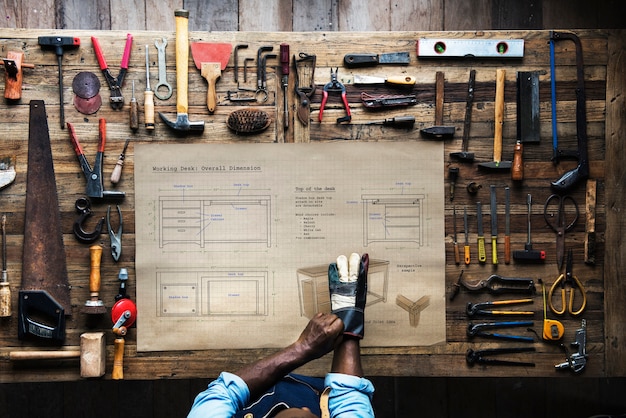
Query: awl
[
  {"x": 369, "y": 60},
  {"x": 400, "y": 80}
]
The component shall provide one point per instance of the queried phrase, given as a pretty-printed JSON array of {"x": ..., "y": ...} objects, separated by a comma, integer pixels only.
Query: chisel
[
  {"x": 5, "y": 289},
  {"x": 466, "y": 247},
  {"x": 494, "y": 226},
  {"x": 482, "y": 256}
]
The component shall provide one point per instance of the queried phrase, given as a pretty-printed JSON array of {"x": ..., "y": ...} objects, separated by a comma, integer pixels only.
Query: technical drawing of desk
[
  {"x": 393, "y": 217},
  {"x": 204, "y": 220}
]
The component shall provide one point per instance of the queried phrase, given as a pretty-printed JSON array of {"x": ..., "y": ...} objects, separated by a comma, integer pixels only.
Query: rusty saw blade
[{"x": 45, "y": 293}]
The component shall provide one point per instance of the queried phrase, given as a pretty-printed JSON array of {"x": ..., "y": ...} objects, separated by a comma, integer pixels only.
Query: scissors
[
  {"x": 568, "y": 279},
  {"x": 562, "y": 223}
]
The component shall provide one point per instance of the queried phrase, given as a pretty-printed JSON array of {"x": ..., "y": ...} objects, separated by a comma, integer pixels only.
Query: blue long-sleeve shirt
[{"x": 350, "y": 396}]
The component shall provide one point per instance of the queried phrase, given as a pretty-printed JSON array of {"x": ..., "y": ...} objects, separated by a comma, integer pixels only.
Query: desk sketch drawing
[{"x": 234, "y": 240}]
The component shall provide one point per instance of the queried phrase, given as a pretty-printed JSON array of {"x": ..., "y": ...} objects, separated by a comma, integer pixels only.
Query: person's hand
[
  {"x": 321, "y": 335},
  {"x": 347, "y": 282}
]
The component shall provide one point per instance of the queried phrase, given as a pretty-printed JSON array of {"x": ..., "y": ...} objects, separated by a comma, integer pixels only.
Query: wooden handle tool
[
  {"x": 94, "y": 305},
  {"x": 182, "y": 60}
]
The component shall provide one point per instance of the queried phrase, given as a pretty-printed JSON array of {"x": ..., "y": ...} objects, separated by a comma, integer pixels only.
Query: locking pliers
[{"x": 335, "y": 86}]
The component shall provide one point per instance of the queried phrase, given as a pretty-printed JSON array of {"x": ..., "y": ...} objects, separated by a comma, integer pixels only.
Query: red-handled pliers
[
  {"x": 334, "y": 86},
  {"x": 115, "y": 83}
]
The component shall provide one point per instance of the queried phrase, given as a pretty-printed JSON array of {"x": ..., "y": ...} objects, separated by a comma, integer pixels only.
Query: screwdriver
[
  {"x": 284, "y": 62},
  {"x": 466, "y": 247},
  {"x": 134, "y": 111},
  {"x": 5, "y": 290},
  {"x": 457, "y": 257},
  {"x": 117, "y": 171},
  {"x": 148, "y": 97}
]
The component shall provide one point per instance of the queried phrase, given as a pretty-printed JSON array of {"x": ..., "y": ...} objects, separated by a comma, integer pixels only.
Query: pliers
[
  {"x": 499, "y": 284},
  {"x": 115, "y": 83},
  {"x": 481, "y": 330},
  {"x": 95, "y": 185},
  {"x": 116, "y": 237},
  {"x": 475, "y": 309},
  {"x": 479, "y": 356},
  {"x": 335, "y": 86}
]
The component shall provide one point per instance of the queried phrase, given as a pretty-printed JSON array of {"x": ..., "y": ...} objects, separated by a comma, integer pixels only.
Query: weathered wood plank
[
  {"x": 265, "y": 15},
  {"x": 128, "y": 15},
  {"x": 318, "y": 15},
  {"x": 464, "y": 15},
  {"x": 213, "y": 16},
  {"x": 79, "y": 14},
  {"x": 368, "y": 15},
  {"x": 615, "y": 258},
  {"x": 422, "y": 15}
]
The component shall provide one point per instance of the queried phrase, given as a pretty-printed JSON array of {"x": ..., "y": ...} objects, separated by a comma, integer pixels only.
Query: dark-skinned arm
[{"x": 321, "y": 335}]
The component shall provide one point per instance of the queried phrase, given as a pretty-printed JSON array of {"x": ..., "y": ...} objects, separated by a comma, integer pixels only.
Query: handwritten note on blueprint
[{"x": 233, "y": 241}]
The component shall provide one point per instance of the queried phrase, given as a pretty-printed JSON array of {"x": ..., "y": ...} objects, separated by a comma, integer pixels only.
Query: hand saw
[{"x": 45, "y": 296}]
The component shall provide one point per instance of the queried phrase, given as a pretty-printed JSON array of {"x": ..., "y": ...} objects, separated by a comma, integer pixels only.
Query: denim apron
[{"x": 292, "y": 391}]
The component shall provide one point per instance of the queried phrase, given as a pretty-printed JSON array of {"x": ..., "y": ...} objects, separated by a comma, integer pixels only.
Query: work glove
[{"x": 347, "y": 282}]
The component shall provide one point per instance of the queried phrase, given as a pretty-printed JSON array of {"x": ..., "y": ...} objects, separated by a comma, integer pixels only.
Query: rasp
[
  {"x": 45, "y": 290},
  {"x": 368, "y": 60}
]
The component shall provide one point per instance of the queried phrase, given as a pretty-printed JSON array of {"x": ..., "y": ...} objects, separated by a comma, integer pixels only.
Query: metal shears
[
  {"x": 566, "y": 217},
  {"x": 563, "y": 281}
]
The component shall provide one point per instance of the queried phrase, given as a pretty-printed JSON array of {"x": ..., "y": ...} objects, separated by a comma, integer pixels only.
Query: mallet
[{"x": 92, "y": 354}]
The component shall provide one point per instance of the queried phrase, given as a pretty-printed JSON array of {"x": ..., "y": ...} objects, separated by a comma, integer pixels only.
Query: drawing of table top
[
  {"x": 393, "y": 217},
  {"x": 206, "y": 219}
]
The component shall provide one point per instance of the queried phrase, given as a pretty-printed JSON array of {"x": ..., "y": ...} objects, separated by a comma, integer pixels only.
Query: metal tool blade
[
  {"x": 367, "y": 60},
  {"x": 494, "y": 212},
  {"x": 44, "y": 263},
  {"x": 528, "y": 120},
  {"x": 479, "y": 218},
  {"x": 86, "y": 85}
]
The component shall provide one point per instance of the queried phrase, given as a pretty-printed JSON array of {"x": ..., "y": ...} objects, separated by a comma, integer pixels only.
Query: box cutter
[{"x": 398, "y": 80}]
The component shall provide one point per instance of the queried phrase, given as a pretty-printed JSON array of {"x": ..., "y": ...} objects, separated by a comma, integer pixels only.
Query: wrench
[{"x": 162, "y": 72}]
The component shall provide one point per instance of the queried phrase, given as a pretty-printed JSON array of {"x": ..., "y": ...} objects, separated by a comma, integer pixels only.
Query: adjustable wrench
[{"x": 162, "y": 72}]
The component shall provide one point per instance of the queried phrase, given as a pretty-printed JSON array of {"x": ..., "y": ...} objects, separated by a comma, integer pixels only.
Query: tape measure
[{"x": 479, "y": 48}]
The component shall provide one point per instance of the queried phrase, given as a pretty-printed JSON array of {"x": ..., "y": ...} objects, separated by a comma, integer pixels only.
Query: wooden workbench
[{"x": 603, "y": 59}]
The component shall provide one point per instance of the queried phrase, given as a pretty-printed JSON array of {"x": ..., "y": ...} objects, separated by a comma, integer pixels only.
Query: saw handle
[
  {"x": 499, "y": 115},
  {"x": 182, "y": 59}
]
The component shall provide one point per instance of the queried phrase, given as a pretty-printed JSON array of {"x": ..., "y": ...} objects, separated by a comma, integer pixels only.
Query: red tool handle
[
  {"x": 96, "y": 47},
  {"x": 102, "y": 129},
  {"x": 284, "y": 59},
  {"x": 127, "y": 49},
  {"x": 78, "y": 149}
]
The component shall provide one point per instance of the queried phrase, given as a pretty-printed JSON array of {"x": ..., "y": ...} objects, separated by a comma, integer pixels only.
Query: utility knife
[
  {"x": 400, "y": 80},
  {"x": 370, "y": 60}
]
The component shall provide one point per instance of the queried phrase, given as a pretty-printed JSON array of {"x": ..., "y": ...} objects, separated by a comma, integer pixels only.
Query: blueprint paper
[{"x": 234, "y": 240}]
